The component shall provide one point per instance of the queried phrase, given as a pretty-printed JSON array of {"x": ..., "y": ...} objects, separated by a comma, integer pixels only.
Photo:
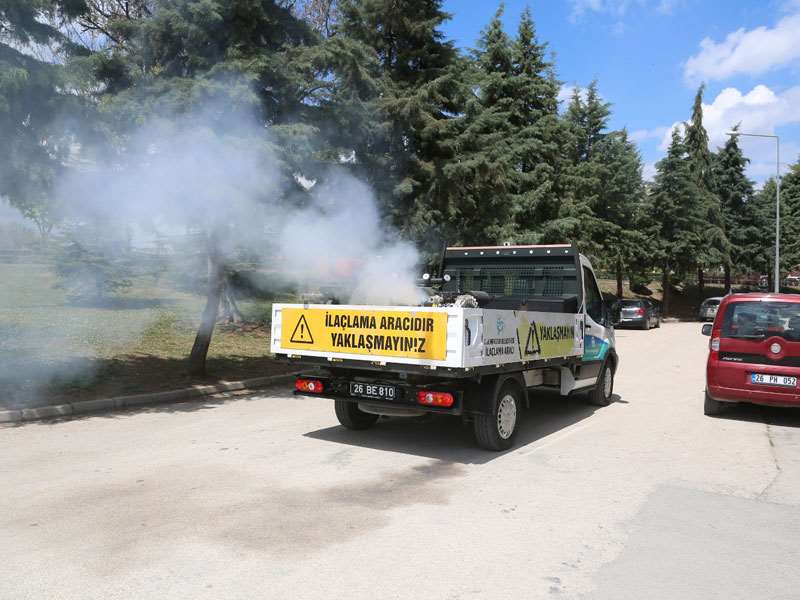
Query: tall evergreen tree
[
  {"x": 790, "y": 218},
  {"x": 676, "y": 215},
  {"x": 620, "y": 201},
  {"x": 538, "y": 132},
  {"x": 39, "y": 115},
  {"x": 502, "y": 180},
  {"x": 735, "y": 191},
  {"x": 478, "y": 182},
  {"x": 602, "y": 186},
  {"x": 716, "y": 249},
  {"x": 420, "y": 92},
  {"x": 763, "y": 208},
  {"x": 250, "y": 57}
]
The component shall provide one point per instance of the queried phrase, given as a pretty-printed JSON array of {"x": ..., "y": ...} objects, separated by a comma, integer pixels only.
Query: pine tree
[
  {"x": 675, "y": 213},
  {"x": 38, "y": 116},
  {"x": 207, "y": 63},
  {"x": 620, "y": 201},
  {"x": 603, "y": 173},
  {"x": 421, "y": 90},
  {"x": 735, "y": 192},
  {"x": 501, "y": 182},
  {"x": 716, "y": 250},
  {"x": 538, "y": 132},
  {"x": 478, "y": 181},
  {"x": 790, "y": 218}
]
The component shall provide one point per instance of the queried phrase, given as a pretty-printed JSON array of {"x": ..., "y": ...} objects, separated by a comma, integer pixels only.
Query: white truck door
[{"x": 598, "y": 333}]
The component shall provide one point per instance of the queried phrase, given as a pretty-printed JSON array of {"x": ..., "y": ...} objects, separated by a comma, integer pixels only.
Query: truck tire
[
  {"x": 352, "y": 417},
  {"x": 712, "y": 407},
  {"x": 497, "y": 431},
  {"x": 604, "y": 388}
]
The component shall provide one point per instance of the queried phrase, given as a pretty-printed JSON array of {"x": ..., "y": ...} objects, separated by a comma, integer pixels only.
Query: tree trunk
[
  {"x": 665, "y": 283},
  {"x": 619, "y": 277},
  {"x": 701, "y": 281},
  {"x": 727, "y": 278},
  {"x": 230, "y": 309},
  {"x": 216, "y": 281}
]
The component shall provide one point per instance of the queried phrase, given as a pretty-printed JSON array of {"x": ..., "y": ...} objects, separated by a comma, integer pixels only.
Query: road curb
[{"x": 105, "y": 404}]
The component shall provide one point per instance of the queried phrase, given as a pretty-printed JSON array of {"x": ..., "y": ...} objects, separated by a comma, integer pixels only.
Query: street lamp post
[{"x": 777, "y": 200}]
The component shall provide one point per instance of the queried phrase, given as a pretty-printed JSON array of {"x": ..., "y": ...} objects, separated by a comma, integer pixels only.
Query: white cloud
[
  {"x": 565, "y": 93},
  {"x": 746, "y": 52},
  {"x": 666, "y": 7},
  {"x": 640, "y": 135},
  {"x": 649, "y": 171},
  {"x": 580, "y": 7},
  {"x": 759, "y": 111},
  {"x": 618, "y": 8}
]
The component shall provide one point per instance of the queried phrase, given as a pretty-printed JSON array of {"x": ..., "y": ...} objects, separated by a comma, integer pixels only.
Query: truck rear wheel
[
  {"x": 498, "y": 430},
  {"x": 604, "y": 388},
  {"x": 353, "y": 417}
]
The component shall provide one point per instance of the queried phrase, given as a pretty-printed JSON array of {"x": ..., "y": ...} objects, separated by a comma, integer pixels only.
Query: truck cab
[{"x": 500, "y": 323}]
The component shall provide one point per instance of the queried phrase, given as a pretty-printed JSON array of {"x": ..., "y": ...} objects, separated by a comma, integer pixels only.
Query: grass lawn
[{"x": 52, "y": 350}]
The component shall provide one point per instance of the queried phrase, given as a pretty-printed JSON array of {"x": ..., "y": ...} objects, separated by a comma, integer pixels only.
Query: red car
[{"x": 755, "y": 351}]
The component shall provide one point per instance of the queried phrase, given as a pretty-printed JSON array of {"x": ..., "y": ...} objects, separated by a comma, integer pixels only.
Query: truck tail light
[
  {"x": 714, "y": 344},
  {"x": 311, "y": 386},
  {"x": 441, "y": 399}
]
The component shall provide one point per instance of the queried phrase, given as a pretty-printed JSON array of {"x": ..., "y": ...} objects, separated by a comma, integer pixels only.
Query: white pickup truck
[{"x": 505, "y": 322}]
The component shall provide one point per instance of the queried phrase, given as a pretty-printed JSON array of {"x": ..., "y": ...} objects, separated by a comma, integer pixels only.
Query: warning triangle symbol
[
  {"x": 301, "y": 333},
  {"x": 532, "y": 345}
]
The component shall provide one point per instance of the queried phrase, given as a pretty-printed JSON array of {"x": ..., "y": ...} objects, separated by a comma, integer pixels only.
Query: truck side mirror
[{"x": 706, "y": 329}]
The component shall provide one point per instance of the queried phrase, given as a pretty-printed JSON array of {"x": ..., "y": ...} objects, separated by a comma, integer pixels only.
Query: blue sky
[{"x": 649, "y": 57}]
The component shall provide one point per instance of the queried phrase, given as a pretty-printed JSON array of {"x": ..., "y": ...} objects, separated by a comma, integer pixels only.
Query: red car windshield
[{"x": 757, "y": 320}]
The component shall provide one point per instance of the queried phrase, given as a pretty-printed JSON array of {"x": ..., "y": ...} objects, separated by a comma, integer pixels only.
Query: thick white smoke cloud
[
  {"x": 179, "y": 176},
  {"x": 184, "y": 176},
  {"x": 341, "y": 238}
]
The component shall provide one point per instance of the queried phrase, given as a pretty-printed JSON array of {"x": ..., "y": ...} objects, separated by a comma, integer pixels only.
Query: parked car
[
  {"x": 708, "y": 308},
  {"x": 754, "y": 351},
  {"x": 639, "y": 312}
]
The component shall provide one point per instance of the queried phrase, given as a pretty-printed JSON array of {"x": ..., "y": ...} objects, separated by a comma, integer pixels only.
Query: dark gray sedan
[{"x": 639, "y": 312}]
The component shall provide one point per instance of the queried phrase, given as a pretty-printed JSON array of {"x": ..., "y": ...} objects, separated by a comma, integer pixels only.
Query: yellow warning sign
[
  {"x": 406, "y": 334},
  {"x": 302, "y": 333},
  {"x": 544, "y": 340}
]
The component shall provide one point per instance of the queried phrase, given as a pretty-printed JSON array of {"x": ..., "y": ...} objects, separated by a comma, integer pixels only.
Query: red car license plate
[{"x": 781, "y": 380}]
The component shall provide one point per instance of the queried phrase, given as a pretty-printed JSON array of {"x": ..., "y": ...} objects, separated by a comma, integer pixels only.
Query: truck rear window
[
  {"x": 549, "y": 279},
  {"x": 757, "y": 320}
]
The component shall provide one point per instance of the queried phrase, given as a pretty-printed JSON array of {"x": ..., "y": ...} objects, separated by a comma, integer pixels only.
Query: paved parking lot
[{"x": 267, "y": 497}]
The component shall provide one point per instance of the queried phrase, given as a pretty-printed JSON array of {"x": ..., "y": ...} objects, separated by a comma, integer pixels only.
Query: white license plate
[
  {"x": 373, "y": 390},
  {"x": 764, "y": 379}
]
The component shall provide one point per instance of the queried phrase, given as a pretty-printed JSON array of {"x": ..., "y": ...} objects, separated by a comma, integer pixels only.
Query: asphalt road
[{"x": 267, "y": 497}]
